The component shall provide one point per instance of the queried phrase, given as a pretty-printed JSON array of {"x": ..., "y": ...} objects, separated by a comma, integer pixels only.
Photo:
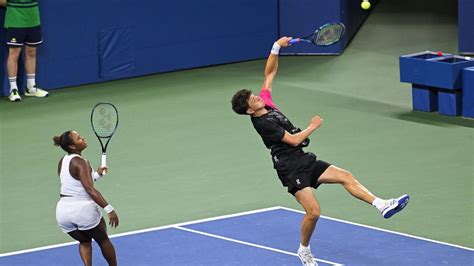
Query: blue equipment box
[
  {"x": 430, "y": 69},
  {"x": 424, "y": 98},
  {"x": 449, "y": 103},
  {"x": 468, "y": 92}
]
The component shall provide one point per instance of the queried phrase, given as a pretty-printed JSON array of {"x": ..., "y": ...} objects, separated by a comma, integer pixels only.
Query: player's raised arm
[{"x": 272, "y": 62}]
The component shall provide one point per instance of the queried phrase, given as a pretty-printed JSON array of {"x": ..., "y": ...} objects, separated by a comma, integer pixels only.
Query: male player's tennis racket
[
  {"x": 327, "y": 34},
  {"x": 104, "y": 121}
]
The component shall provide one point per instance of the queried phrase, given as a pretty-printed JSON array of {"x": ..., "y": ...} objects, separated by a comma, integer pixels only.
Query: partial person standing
[
  {"x": 298, "y": 170},
  {"x": 77, "y": 211},
  {"x": 22, "y": 21}
]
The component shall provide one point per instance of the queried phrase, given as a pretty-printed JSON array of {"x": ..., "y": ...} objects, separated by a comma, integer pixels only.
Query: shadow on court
[{"x": 435, "y": 119}]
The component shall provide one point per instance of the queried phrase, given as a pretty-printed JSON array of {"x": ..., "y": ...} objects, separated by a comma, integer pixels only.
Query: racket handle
[
  {"x": 292, "y": 41},
  {"x": 103, "y": 162}
]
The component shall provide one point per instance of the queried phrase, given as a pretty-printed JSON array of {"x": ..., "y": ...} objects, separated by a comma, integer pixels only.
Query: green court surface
[{"x": 181, "y": 154}]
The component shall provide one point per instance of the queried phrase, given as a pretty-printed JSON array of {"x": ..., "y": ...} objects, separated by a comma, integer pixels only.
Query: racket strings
[
  {"x": 104, "y": 120},
  {"x": 329, "y": 34}
]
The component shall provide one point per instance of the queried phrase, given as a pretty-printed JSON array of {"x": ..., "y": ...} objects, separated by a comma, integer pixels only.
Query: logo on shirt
[
  {"x": 298, "y": 181},
  {"x": 13, "y": 40}
]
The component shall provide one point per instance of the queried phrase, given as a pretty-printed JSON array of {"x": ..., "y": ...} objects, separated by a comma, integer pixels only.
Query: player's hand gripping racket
[
  {"x": 327, "y": 34},
  {"x": 104, "y": 121}
]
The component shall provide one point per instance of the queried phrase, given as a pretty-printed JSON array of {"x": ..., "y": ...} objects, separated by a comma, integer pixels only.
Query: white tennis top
[{"x": 69, "y": 185}]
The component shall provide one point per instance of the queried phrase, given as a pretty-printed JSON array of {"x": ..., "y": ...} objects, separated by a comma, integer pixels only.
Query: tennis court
[
  {"x": 180, "y": 154},
  {"x": 259, "y": 237}
]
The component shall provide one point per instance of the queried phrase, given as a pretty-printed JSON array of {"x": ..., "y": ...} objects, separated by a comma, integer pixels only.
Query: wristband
[
  {"x": 96, "y": 176},
  {"x": 108, "y": 208},
  {"x": 275, "y": 49}
]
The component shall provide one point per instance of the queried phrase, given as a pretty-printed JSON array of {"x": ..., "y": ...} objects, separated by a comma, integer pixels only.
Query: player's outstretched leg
[{"x": 336, "y": 175}]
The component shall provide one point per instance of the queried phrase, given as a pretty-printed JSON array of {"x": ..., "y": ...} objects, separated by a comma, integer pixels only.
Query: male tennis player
[{"x": 300, "y": 171}]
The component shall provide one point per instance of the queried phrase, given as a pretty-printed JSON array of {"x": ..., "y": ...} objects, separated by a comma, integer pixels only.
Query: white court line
[
  {"x": 250, "y": 244},
  {"x": 385, "y": 230},
  {"x": 144, "y": 230}
]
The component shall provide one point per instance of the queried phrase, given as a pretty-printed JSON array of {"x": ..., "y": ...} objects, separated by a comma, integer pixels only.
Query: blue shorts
[{"x": 17, "y": 37}]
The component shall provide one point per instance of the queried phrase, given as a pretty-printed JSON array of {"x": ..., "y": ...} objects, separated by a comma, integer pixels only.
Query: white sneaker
[
  {"x": 395, "y": 205},
  {"x": 14, "y": 96},
  {"x": 306, "y": 257},
  {"x": 37, "y": 92}
]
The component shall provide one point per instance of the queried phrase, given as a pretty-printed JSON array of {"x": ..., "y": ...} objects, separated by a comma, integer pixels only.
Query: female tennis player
[
  {"x": 77, "y": 211},
  {"x": 297, "y": 170}
]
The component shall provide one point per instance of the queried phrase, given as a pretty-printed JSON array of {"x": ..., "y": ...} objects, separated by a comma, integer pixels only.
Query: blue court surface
[{"x": 261, "y": 237}]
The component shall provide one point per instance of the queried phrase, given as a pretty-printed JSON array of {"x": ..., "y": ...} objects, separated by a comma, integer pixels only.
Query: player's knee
[
  {"x": 105, "y": 243},
  {"x": 102, "y": 240},
  {"x": 31, "y": 52},
  {"x": 14, "y": 54},
  {"x": 313, "y": 213},
  {"x": 347, "y": 177}
]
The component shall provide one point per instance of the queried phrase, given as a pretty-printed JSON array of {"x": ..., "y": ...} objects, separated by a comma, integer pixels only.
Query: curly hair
[{"x": 239, "y": 101}]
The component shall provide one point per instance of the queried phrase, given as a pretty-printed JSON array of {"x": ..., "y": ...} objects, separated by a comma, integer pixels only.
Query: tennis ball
[{"x": 365, "y": 5}]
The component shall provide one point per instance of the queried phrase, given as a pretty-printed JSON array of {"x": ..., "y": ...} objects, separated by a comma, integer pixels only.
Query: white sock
[
  {"x": 13, "y": 85},
  {"x": 30, "y": 82},
  {"x": 303, "y": 247},
  {"x": 379, "y": 203}
]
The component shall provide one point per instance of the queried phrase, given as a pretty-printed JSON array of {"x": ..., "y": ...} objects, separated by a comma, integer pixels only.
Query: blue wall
[
  {"x": 466, "y": 26},
  {"x": 299, "y": 18},
  {"x": 94, "y": 41},
  {"x": 3, "y": 54}
]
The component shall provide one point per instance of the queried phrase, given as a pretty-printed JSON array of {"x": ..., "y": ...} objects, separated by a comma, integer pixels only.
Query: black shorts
[
  {"x": 300, "y": 171},
  {"x": 17, "y": 37}
]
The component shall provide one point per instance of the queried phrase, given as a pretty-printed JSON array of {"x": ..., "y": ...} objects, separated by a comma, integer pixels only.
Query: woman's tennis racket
[
  {"x": 104, "y": 121},
  {"x": 325, "y": 35}
]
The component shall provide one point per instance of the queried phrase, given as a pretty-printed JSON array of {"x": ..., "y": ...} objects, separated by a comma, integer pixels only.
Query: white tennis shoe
[
  {"x": 14, "y": 96},
  {"x": 392, "y": 206},
  {"x": 36, "y": 92},
  {"x": 306, "y": 257}
]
